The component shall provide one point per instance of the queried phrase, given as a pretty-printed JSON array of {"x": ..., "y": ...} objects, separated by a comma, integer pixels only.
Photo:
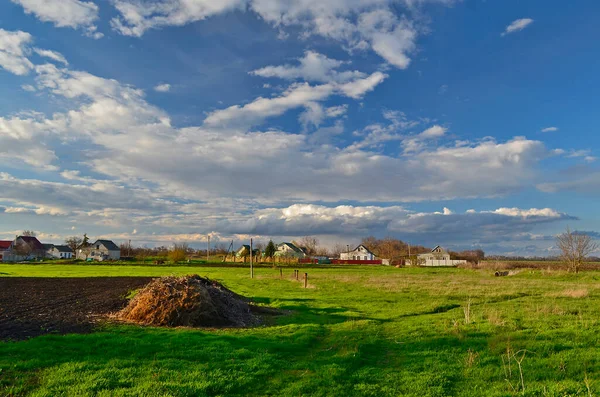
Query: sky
[{"x": 467, "y": 124}]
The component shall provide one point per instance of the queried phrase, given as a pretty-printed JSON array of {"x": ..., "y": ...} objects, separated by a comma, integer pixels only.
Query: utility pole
[
  {"x": 129, "y": 249},
  {"x": 251, "y": 265},
  {"x": 207, "y": 246},
  {"x": 347, "y": 252}
]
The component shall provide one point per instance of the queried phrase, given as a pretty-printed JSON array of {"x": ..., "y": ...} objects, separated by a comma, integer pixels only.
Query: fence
[{"x": 442, "y": 263}]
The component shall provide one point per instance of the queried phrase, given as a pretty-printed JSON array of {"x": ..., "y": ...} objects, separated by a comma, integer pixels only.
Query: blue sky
[{"x": 462, "y": 123}]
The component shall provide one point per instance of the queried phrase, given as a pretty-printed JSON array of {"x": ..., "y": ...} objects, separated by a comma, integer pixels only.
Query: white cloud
[
  {"x": 517, "y": 26},
  {"x": 549, "y": 129},
  {"x": 56, "y": 56},
  {"x": 64, "y": 13},
  {"x": 356, "y": 24},
  {"x": 312, "y": 67},
  {"x": 137, "y": 17},
  {"x": 14, "y": 50},
  {"x": 435, "y": 131},
  {"x": 533, "y": 212},
  {"x": 297, "y": 95},
  {"x": 162, "y": 88}
]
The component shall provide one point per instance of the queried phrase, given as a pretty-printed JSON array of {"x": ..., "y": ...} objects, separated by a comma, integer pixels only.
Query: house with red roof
[{"x": 4, "y": 248}]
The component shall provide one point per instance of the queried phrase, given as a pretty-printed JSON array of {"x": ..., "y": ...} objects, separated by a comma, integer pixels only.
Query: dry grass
[
  {"x": 188, "y": 301},
  {"x": 574, "y": 293}
]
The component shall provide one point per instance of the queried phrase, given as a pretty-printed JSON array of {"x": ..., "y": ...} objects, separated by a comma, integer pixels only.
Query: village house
[
  {"x": 360, "y": 253},
  {"x": 5, "y": 249},
  {"x": 21, "y": 249},
  {"x": 101, "y": 250},
  {"x": 437, "y": 257},
  {"x": 244, "y": 252},
  {"x": 58, "y": 251},
  {"x": 289, "y": 250}
]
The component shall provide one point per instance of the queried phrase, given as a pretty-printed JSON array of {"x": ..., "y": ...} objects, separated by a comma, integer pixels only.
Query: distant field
[
  {"x": 532, "y": 264},
  {"x": 356, "y": 331}
]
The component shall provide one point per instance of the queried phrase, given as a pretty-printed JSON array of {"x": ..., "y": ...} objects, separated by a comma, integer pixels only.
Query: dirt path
[{"x": 35, "y": 306}]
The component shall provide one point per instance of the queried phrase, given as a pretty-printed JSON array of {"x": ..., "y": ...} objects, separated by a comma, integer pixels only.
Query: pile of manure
[{"x": 190, "y": 301}]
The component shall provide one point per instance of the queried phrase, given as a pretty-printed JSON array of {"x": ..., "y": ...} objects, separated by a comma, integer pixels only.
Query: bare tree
[
  {"x": 73, "y": 242},
  {"x": 575, "y": 247},
  {"x": 310, "y": 243},
  {"x": 29, "y": 233},
  {"x": 22, "y": 249},
  {"x": 337, "y": 249}
]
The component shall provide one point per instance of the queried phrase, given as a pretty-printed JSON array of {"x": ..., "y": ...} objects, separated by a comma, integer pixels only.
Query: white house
[
  {"x": 438, "y": 257},
  {"x": 58, "y": 251},
  {"x": 289, "y": 250},
  {"x": 360, "y": 253},
  {"x": 101, "y": 250}
]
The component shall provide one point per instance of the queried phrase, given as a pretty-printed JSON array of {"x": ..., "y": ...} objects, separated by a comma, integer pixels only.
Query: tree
[
  {"x": 85, "y": 241},
  {"x": 29, "y": 233},
  {"x": 575, "y": 247},
  {"x": 337, "y": 249},
  {"x": 415, "y": 260},
  {"x": 22, "y": 249},
  {"x": 73, "y": 242},
  {"x": 310, "y": 243},
  {"x": 178, "y": 253},
  {"x": 270, "y": 250}
]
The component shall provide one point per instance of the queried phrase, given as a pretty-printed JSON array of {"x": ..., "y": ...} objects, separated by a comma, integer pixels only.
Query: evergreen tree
[{"x": 270, "y": 250}]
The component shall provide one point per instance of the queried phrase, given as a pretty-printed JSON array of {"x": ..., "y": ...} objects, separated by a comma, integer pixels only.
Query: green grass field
[{"x": 370, "y": 331}]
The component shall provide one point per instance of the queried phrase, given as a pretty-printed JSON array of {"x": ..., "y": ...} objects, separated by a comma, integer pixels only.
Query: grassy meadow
[{"x": 356, "y": 331}]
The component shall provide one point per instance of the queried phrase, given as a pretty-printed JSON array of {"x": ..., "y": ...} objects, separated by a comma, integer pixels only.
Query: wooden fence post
[
  {"x": 305, "y": 279},
  {"x": 280, "y": 273}
]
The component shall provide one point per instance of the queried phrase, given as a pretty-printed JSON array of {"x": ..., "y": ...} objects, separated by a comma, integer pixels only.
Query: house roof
[
  {"x": 63, "y": 248},
  {"x": 436, "y": 248},
  {"x": 32, "y": 241},
  {"x": 292, "y": 246},
  {"x": 108, "y": 244},
  {"x": 48, "y": 246},
  {"x": 243, "y": 248},
  {"x": 361, "y": 245},
  {"x": 5, "y": 244}
]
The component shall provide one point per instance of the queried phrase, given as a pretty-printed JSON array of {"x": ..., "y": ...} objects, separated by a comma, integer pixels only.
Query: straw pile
[{"x": 191, "y": 301}]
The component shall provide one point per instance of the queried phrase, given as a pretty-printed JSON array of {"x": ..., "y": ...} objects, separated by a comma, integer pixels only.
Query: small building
[
  {"x": 58, "y": 251},
  {"x": 244, "y": 252},
  {"x": 289, "y": 250},
  {"x": 360, "y": 253},
  {"x": 5, "y": 249},
  {"x": 101, "y": 250}
]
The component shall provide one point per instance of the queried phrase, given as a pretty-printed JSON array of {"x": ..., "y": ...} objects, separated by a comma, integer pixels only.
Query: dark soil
[{"x": 35, "y": 306}]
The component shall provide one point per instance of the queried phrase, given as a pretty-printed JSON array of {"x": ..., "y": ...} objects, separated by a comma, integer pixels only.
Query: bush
[{"x": 178, "y": 253}]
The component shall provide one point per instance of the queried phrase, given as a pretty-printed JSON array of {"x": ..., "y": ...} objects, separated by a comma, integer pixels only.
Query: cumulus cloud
[
  {"x": 517, "y": 26},
  {"x": 357, "y": 25},
  {"x": 14, "y": 50},
  {"x": 137, "y": 17},
  {"x": 313, "y": 67},
  {"x": 64, "y": 13},
  {"x": 146, "y": 171},
  {"x": 435, "y": 131}
]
